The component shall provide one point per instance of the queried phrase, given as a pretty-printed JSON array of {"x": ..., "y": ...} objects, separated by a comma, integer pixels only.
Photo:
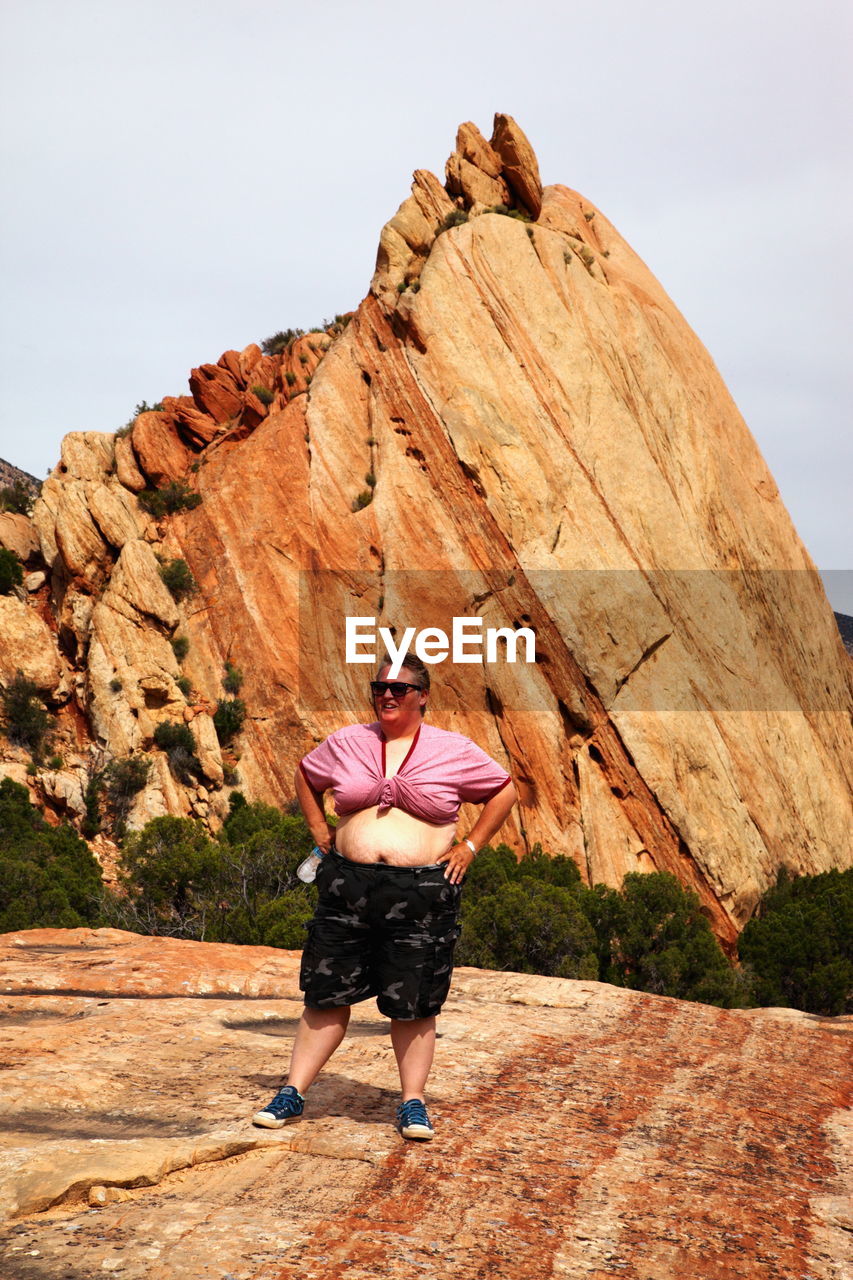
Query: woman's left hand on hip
[{"x": 458, "y": 858}]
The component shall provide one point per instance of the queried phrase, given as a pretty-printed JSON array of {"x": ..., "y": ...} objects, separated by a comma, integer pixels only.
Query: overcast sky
[{"x": 182, "y": 177}]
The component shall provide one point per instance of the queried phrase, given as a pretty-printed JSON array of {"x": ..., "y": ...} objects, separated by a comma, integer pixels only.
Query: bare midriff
[{"x": 392, "y": 836}]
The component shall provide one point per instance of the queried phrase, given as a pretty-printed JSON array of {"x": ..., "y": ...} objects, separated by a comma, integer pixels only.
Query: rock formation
[
  {"x": 12, "y": 476},
  {"x": 582, "y": 1130},
  {"x": 516, "y": 425}
]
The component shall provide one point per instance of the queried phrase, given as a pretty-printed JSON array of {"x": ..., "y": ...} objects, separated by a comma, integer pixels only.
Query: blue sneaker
[
  {"x": 288, "y": 1104},
  {"x": 413, "y": 1121}
]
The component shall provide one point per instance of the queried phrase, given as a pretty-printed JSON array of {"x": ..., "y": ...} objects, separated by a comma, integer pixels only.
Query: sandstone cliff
[
  {"x": 516, "y": 424},
  {"x": 582, "y": 1130}
]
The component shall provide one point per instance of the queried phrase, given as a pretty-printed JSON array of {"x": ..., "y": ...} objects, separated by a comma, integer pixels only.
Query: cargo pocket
[{"x": 437, "y": 983}]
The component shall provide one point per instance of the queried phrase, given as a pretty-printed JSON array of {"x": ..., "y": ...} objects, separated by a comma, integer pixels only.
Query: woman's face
[{"x": 403, "y": 713}]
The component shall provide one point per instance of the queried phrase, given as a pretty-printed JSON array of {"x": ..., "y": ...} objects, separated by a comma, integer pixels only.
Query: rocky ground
[{"x": 582, "y": 1131}]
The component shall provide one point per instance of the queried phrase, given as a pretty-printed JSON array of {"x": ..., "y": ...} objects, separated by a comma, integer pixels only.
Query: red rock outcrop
[
  {"x": 519, "y": 165},
  {"x": 581, "y": 1130},
  {"x": 517, "y": 425},
  {"x": 27, "y": 646},
  {"x": 17, "y": 535}
]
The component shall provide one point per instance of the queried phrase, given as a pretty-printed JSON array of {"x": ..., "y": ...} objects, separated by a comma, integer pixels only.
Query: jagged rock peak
[
  {"x": 480, "y": 177},
  {"x": 503, "y": 171},
  {"x": 520, "y": 166}
]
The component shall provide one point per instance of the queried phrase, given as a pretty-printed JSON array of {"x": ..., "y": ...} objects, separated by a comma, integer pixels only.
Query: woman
[{"x": 386, "y": 922}]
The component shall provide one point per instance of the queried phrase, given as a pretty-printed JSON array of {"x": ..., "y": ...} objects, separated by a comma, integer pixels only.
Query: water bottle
[{"x": 307, "y": 870}]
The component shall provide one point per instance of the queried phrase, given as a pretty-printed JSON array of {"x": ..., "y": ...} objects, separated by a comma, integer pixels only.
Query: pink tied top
[{"x": 441, "y": 771}]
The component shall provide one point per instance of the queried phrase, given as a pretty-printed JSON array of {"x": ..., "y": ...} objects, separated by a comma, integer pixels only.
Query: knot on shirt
[{"x": 386, "y": 794}]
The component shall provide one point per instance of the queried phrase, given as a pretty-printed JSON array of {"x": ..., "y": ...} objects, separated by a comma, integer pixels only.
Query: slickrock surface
[
  {"x": 517, "y": 425},
  {"x": 581, "y": 1130}
]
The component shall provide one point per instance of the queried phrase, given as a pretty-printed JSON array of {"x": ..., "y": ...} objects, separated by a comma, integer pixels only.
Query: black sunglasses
[{"x": 397, "y": 688}]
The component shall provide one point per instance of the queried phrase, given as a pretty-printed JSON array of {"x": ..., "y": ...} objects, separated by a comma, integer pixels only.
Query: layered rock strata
[
  {"x": 516, "y": 425},
  {"x": 581, "y": 1129}
]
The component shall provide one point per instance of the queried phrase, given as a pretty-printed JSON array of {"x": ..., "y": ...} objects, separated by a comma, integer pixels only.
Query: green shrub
[
  {"x": 123, "y": 779},
  {"x": 241, "y": 887},
  {"x": 503, "y": 209},
  {"x": 116, "y": 685},
  {"x": 264, "y": 394},
  {"x": 290, "y": 378},
  {"x": 530, "y": 927},
  {"x": 651, "y": 935},
  {"x": 27, "y": 720},
  {"x": 91, "y": 824},
  {"x": 558, "y": 870},
  {"x": 180, "y": 647},
  {"x": 11, "y": 573},
  {"x": 603, "y": 907},
  {"x": 491, "y": 870},
  {"x": 178, "y": 743},
  {"x": 259, "y": 850},
  {"x": 48, "y": 877},
  {"x": 370, "y": 480},
  {"x": 281, "y": 341},
  {"x": 282, "y": 922},
  {"x": 455, "y": 218},
  {"x": 168, "y": 879},
  {"x": 142, "y": 407},
  {"x": 168, "y": 499},
  {"x": 228, "y": 718},
  {"x": 364, "y": 499},
  {"x": 233, "y": 679},
  {"x": 798, "y": 948},
  {"x": 178, "y": 578},
  {"x": 55, "y": 762},
  {"x": 18, "y": 497},
  {"x": 338, "y": 324},
  {"x": 663, "y": 943},
  {"x": 185, "y": 685}
]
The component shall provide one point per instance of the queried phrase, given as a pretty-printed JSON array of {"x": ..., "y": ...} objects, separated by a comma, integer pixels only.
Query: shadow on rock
[
  {"x": 287, "y": 1027},
  {"x": 20, "y": 1017},
  {"x": 73, "y": 1125},
  {"x": 337, "y": 1095}
]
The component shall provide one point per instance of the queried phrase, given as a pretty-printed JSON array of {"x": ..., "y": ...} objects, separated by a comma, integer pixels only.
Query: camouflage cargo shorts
[{"x": 381, "y": 931}]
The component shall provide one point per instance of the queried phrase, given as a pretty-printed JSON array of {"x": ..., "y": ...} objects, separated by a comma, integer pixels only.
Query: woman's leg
[
  {"x": 414, "y": 1046},
  {"x": 318, "y": 1035}
]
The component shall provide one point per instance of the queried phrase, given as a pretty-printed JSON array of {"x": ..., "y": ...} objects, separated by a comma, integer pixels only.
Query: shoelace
[
  {"x": 286, "y": 1102},
  {"x": 413, "y": 1112}
]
